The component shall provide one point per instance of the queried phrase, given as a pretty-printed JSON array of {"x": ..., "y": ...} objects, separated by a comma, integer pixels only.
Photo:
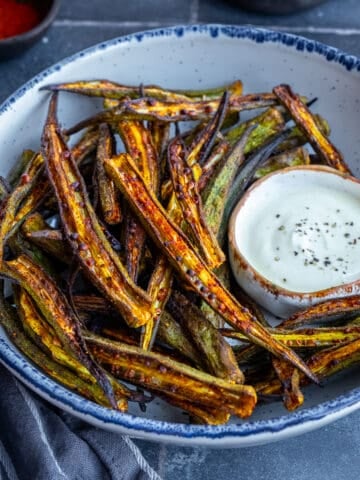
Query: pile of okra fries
[{"x": 115, "y": 248}]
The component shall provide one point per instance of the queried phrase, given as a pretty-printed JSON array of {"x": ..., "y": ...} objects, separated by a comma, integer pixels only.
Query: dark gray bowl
[
  {"x": 12, "y": 46},
  {"x": 276, "y": 6}
]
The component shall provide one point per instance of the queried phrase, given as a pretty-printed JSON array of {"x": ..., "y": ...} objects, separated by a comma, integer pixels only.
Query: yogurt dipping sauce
[{"x": 300, "y": 230}]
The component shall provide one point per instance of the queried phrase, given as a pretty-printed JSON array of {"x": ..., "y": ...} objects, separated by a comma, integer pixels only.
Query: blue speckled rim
[{"x": 25, "y": 370}]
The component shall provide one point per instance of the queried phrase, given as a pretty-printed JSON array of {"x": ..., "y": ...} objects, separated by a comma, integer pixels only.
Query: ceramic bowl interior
[
  {"x": 195, "y": 57},
  {"x": 12, "y": 46}
]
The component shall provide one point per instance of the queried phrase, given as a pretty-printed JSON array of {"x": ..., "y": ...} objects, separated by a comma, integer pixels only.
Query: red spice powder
[{"x": 16, "y": 17}]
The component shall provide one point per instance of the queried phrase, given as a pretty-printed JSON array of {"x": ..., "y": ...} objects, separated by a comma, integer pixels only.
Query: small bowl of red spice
[{"x": 23, "y": 22}]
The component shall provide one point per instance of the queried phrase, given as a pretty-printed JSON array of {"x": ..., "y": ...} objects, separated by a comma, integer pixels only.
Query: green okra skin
[
  {"x": 325, "y": 311},
  {"x": 289, "y": 377},
  {"x": 40, "y": 188},
  {"x": 108, "y": 195},
  {"x": 324, "y": 363},
  {"x": 292, "y": 158},
  {"x": 83, "y": 230},
  {"x": 152, "y": 109},
  {"x": 307, "y": 337},
  {"x": 297, "y": 138},
  {"x": 113, "y": 90},
  {"x": 159, "y": 289},
  {"x": 52, "y": 241},
  {"x": 214, "y": 204},
  {"x": 86, "y": 145},
  {"x": 223, "y": 274},
  {"x": 45, "y": 337},
  {"x": 172, "y": 334},
  {"x": 215, "y": 158},
  {"x": 267, "y": 124},
  {"x": 55, "y": 308},
  {"x": 139, "y": 144},
  {"x": 203, "y": 142},
  {"x": 189, "y": 200},
  {"x": 307, "y": 123},
  {"x": 4, "y": 188},
  {"x": 158, "y": 373},
  {"x": 214, "y": 350},
  {"x": 20, "y": 167},
  {"x": 160, "y": 132},
  {"x": 9, "y": 221}
]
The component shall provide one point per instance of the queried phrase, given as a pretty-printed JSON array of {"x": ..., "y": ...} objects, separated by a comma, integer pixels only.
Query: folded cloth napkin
[{"x": 41, "y": 442}]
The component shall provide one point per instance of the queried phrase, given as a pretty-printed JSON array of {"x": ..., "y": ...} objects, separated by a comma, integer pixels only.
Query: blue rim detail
[{"x": 10, "y": 357}]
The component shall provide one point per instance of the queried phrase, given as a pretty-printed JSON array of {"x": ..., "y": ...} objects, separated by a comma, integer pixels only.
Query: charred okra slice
[
  {"x": 215, "y": 351},
  {"x": 83, "y": 231},
  {"x": 325, "y": 311},
  {"x": 161, "y": 374},
  {"x": 152, "y": 109},
  {"x": 187, "y": 195},
  {"x": 108, "y": 194},
  {"x": 113, "y": 90},
  {"x": 139, "y": 145},
  {"x": 307, "y": 123}
]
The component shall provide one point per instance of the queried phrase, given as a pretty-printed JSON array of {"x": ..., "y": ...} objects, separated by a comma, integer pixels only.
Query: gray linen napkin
[{"x": 41, "y": 442}]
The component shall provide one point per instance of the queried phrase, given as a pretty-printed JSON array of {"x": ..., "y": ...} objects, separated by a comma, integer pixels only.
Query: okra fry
[
  {"x": 44, "y": 335},
  {"x": 324, "y": 311},
  {"x": 172, "y": 334},
  {"x": 158, "y": 373},
  {"x": 290, "y": 379},
  {"x": 159, "y": 289},
  {"x": 187, "y": 195},
  {"x": 214, "y": 350},
  {"x": 306, "y": 337},
  {"x": 20, "y": 166},
  {"x": 200, "y": 145},
  {"x": 86, "y": 145},
  {"x": 108, "y": 195},
  {"x": 10, "y": 205},
  {"x": 306, "y": 122},
  {"x": 152, "y": 109},
  {"x": 268, "y": 123},
  {"x": 11, "y": 324},
  {"x": 139, "y": 145},
  {"x": 54, "y": 306},
  {"x": 112, "y": 90},
  {"x": 84, "y": 232},
  {"x": 204, "y": 140},
  {"x": 214, "y": 159},
  {"x": 172, "y": 241}
]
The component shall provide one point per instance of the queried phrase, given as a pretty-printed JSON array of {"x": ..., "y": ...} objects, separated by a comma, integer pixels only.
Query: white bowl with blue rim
[{"x": 195, "y": 57}]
